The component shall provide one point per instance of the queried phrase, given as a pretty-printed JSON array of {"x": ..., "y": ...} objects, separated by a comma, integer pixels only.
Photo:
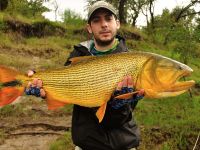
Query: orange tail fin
[
  {"x": 8, "y": 93},
  {"x": 7, "y": 74}
]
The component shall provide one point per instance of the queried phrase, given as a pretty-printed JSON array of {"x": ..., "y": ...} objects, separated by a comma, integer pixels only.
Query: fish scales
[{"x": 90, "y": 81}]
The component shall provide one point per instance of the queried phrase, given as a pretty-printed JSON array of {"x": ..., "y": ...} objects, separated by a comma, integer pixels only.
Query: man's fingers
[
  {"x": 125, "y": 81},
  {"x": 42, "y": 92},
  {"x": 30, "y": 73},
  {"x": 141, "y": 92},
  {"x": 29, "y": 84},
  {"x": 129, "y": 82},
  {"x": 39, "y": 83},
  {"x": 34, "y": 83},
  {"x": 119, "y": 86}
]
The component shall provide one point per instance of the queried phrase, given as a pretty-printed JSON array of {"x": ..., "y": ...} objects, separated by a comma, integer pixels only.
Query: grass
[
  {"x": 175, "y": 119},
  {"x": 157, "y": 112},
  {"x": 20, "y": 109},
  {"x": 166, "y": 124},
  {"x": 63, "y": 143},
  {"x": 2, "y": 136}
]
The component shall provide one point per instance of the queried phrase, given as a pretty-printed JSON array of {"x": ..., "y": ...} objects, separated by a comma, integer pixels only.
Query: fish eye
[{"x": 180, "y": 68}]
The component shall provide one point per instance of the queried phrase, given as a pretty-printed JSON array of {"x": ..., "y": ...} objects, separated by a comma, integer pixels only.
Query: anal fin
[
  {"x": 101, "y": 112},
  {"x": 53, "y": 103}
]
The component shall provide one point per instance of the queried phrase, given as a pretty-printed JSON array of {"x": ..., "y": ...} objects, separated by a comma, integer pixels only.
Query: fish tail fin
[
  {"x": 101, "y": 112},
  {"x": 10, "y": 94},
  {"x": 8, "y": 91},
  {"x": 7, "y": 74}
]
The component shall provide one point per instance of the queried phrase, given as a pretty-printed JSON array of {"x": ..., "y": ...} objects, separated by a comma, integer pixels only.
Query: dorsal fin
[{"x": 76, "y": 60}]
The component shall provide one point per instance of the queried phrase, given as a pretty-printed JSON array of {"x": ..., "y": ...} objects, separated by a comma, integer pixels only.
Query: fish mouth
[
  {"x": 179, "y": 87},
  {"x": 180, "y": 84}
]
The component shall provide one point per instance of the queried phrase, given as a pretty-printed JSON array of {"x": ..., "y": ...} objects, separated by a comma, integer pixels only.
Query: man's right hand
[
  {"x": 35, "y": 87},
  {"x": 123, "y": 87}
]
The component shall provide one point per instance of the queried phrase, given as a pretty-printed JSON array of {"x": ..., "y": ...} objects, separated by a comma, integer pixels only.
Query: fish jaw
[
  {"x": 160, "y": 78},
  {"x": 181, "y": 86}
]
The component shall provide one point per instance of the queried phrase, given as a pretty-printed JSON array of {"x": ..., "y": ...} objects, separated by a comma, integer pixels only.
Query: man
[{"x": 118, "y": 130}]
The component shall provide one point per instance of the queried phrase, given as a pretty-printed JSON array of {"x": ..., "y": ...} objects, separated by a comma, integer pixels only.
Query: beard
[{"x": 104, "y": 42}]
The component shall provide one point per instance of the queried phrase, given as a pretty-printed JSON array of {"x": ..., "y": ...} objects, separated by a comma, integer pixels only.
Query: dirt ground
[{"x": 34, "y": 130}]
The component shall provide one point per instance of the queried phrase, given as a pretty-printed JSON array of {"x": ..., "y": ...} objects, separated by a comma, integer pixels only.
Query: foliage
[
  {"x": 62, "y": 143},
  {"x": 2, "y": 23},
  {"x": 3, "y": 4},
  {"x": 30, "y": 9},
  {"x": 165, "y": 123},
  {"x": 71, "y": 17},
  {"x": 171, "y": 122},
  {"x": 186, "y": 50},
  {"x": 197, "y": 30},
  {"x": 134, "y": 9}
]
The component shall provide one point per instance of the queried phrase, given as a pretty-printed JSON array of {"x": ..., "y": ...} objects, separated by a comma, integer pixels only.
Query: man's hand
[
  {"x": 35, "y": 87},
  {"x": 127, "y": 86},
  {"x": 123, "y": 87}
]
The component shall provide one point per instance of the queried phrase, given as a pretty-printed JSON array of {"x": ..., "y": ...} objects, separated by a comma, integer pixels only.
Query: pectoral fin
[
  {"x": 127, "y": 95},
  {"x": 101, "y": 112}
]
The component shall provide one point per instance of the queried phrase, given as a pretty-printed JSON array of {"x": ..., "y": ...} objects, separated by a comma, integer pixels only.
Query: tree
[
  {"x": 3, "y": 4},
  {"x": 134, "y": 8},
  {"x": 184, "y": 10},
  {"x": 55, "y": 5},
  {"x": 185, "y": 13},
  {"x": 71, "y": 17},
  {"x": 148, "y": 12},
  {"x": 185, "y": 49},
  {"x": 197, "y": 30},
  {"x": 122, "y": 13},
  {"x": 36, "y": 8},
  {"x": 119, "y": 4},
  {"x": 30, "y": 8}
]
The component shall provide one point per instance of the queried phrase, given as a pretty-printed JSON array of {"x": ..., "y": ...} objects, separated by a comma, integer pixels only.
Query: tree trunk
[
  {"x": 122, "y": 13},
  {"x": 134, "y": 18},
  {"x": 3, "y": 4},
  {"x": 151, "y": 11}
]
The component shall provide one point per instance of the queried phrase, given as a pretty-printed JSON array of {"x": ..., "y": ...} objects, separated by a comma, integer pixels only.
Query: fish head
[{"x": 164, "y": 77}]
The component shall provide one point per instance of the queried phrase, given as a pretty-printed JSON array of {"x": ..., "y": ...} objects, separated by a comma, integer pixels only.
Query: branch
[
  {"x": 185, "y": 9},
  {"x": 196, "y": 142},
  {"x": 190, "y": 14}
]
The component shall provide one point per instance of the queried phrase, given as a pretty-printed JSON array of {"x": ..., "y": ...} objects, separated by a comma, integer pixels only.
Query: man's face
[{"x": 103, "y": 26}]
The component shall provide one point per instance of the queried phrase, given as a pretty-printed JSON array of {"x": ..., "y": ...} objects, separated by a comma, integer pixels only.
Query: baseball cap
[{"x": 101, "y": 4}]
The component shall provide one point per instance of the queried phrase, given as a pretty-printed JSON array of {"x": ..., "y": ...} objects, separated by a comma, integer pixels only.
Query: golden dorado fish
[{"x": 90, "y": 81}]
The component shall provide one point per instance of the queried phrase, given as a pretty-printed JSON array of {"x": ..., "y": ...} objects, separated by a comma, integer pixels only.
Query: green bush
[{"x": 72, "y": 18}]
